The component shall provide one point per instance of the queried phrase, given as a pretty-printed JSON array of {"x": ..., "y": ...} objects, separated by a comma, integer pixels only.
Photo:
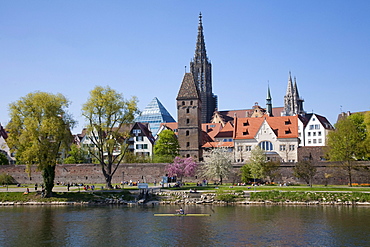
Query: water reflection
[{"x": 228, "y": 226}]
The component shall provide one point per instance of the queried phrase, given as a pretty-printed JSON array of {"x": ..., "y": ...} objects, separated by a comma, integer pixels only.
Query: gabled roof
[
  {"x": 323, "y": 120},
  {"x": 212, "y": 129},
  {"x": 188, "y": 89},
  {"x": 145, "y": 130},
  {"x": 3, "y": 132},
  {"x": 226, "y": 131},
  {"x": 283, "y": 127},
  {"x": 228, "y": 115}
]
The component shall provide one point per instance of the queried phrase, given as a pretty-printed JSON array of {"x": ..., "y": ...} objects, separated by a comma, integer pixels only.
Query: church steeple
[
  {"x": 293, "y": 104},
  {"x": 201, "y": 68},
  {"x": 269, "y": 102}
]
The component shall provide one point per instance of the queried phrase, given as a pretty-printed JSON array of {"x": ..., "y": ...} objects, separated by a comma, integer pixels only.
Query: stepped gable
[{"x": 188, "y": 89}]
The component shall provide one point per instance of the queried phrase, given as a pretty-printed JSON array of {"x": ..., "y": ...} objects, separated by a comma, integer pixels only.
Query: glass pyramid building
[{"x": 155, "y": 114}]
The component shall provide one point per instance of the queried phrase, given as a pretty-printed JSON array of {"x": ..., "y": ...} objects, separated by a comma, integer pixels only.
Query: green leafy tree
[
  {"x": 256, "y": 163},
  {"x": 270, "y": 170},
  {"x": 217, "y": 163},
  {"x": 77, "y": 155},
  {"x": 166, "y": 147},
  {"x": 39, "y": 131},
  {"x": 3, "y": 159},
  {"x": 306, "y": 170},
  {"x": 106, "y": 112},
  {"x": 345, "y": 145}
]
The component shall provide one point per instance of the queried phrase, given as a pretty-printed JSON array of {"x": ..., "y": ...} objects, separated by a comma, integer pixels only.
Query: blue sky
[{"x": 141, "y": 48}]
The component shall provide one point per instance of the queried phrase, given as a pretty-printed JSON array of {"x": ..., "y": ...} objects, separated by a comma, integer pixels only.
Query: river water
[{"x": 228, "y": 226}]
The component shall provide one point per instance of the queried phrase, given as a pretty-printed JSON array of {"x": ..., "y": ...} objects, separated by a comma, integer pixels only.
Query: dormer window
[
  {"x": 245, "y": 133},
  {"x": 287, "y": 122},
  {"x": 288, "y": 132},
  {"x": 246, "y": 123}
]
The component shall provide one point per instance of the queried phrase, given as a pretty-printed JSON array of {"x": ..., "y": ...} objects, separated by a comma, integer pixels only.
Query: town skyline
[{"x": 141, "y": 49}]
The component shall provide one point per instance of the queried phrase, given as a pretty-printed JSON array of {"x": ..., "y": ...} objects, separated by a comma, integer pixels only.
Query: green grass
[
  {"x": 64, "y": 196},
  {"x": 283, "y": 196}
]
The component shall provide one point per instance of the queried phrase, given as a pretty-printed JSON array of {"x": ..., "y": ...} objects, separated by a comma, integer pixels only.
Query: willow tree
[
  {"x": 217, "y": 163},
  {"x": 107, "y": 113},
  {"x": 39, "y": 132}
]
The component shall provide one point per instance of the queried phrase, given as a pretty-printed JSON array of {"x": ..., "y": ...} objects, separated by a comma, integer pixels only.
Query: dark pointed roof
[
  {"x": 188, "y": 89},
  {"x": 200, "y": 49}
]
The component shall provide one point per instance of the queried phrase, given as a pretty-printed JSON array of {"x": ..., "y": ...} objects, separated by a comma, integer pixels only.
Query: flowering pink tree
[{"x": 182, "y": 167}]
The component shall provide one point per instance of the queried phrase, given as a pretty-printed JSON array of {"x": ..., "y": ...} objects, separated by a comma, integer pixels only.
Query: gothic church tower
[
  {"x": 188, "y": 119},
  {"x": 293, "y": 104},
  {"x": 201, "y": 69}
]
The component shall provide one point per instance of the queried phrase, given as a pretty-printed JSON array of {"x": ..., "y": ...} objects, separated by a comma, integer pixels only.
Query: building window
[
  {"x": 248, "y": 148},
  {"x": 183, "y": 103},
  {"x": 240, "y": 148},
  {"x": 309, "y": 141},
  {"x": 314, "y": 140},
  {"x": 187, "y": 110},
  {"x": 191, "y": 102},
  {"x": 317, "y": 126},
  {"x": 312, "y": 127},
  {"x": 136, "y": 131},
  {"x": 187, "y": 133},
  {"x": 291, "y": 147},
  {"x": 314, "y": 133},
  {"x": 308, "y": 133},
  {"x": 187, "y": 121},
  {"x": 266, "y": 145},
  {"x": 319, "y": 133},
  {"x": 141, "y": 146},
  {"x": 139, "y": 138},
  {"x": 319, "y": 140},
  {"x": 282, "y": 147},
  {"x": 245, "y": 133},
  {"x": 188, "y": 144}
]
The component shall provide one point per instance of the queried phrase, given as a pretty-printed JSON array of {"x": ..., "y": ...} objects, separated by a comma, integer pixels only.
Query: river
[{"x": 228, "y": 226}]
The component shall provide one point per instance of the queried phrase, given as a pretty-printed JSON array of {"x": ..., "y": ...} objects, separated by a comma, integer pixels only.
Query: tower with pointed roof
[
  {"x": 189, "y": 107},
  {"x": 293, "y": 104},
  {"x": 269, "y": 103},
  {"x": 201, "y": 69}
]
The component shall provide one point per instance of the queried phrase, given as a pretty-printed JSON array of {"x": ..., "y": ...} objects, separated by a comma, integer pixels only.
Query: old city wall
[{"x": 150, "y": 172}]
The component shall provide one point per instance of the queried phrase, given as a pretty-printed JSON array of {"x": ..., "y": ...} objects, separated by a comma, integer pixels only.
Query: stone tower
[
  {"x": 293, "y": 104},
  {"x": 189, "y": 107},
  {"x": 201, "y": 69}
]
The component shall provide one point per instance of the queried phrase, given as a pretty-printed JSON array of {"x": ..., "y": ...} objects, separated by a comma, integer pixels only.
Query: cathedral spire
[
  {"x": 200, "y": 49},
  {"x": 201, "y": 69}
]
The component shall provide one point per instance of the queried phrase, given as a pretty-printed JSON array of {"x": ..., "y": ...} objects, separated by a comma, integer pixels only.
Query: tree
[
  {"x": 270, "y": 170},
  {"x": 77, "y": 155},
  {"x": 166, "y": 147},
  {"x": 182, "y": 167},
  {"x": 3, "y": 159},
  {"x": 345, "y": 145},
  {"x": 40, "y": 131},
  {"x": 106, "y": 112},
  {"x": 306, "y": 170},
  {"x": 217, "y": 163},
  {"x": 255, "y": 165}
]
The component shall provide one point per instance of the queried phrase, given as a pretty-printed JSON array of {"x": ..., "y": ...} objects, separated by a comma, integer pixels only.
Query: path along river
[{"x": 246, "y": 225}]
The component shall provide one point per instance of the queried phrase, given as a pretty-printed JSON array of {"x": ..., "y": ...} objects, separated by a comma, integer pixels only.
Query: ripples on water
[{"x": 228, "y": 226}]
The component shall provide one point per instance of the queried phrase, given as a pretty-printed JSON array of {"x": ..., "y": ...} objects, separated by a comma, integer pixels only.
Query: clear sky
[{"x": 141, "y": 48}]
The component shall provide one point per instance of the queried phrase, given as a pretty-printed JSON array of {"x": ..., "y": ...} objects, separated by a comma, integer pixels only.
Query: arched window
[
  {"x": 187, "y": 132},
  {"x": 183, "y": 103},
  {"x": 187, "y": 110},
  {"x": 266, "y": 145}
]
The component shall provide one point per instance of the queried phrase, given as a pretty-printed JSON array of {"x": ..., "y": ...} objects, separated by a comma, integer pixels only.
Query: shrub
[{"x": 7, "y": 179}]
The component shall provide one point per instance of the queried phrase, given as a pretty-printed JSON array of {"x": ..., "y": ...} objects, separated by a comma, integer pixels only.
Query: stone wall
[{"x": 148, "y": 172}]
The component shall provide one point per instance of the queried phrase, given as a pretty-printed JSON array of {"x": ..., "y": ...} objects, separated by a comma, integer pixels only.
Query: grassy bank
[{"x": 64, "y": 196}]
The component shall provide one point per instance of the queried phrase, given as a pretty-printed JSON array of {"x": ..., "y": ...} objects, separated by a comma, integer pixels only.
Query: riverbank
[{"x": 167, "y": 196}]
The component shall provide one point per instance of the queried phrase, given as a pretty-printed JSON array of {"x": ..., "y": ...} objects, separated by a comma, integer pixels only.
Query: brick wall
[{"x": 147, "y": 172}]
